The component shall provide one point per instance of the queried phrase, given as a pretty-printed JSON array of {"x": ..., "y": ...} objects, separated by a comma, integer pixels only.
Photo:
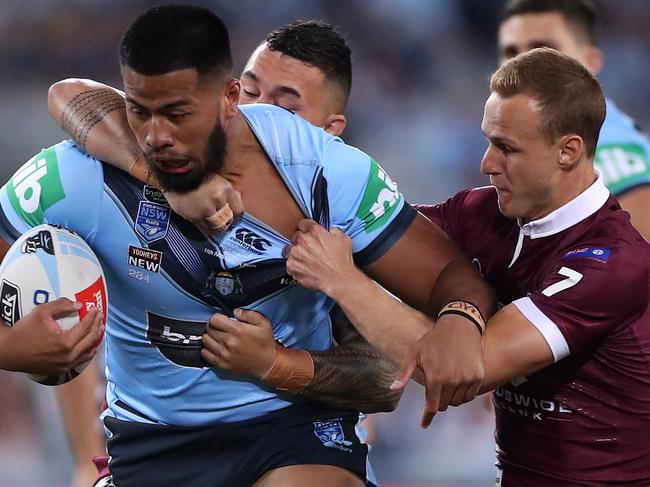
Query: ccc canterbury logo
[{"x": 252, "y": 240}]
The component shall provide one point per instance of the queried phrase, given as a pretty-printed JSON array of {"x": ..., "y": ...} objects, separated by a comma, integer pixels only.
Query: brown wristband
[
  {"x": 467, "y": 310},
  {"x": 292, "y": 371},
  {"x": 140, "y": 169}
]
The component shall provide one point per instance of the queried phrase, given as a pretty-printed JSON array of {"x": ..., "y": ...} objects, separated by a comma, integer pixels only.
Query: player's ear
[
  {"x": 572, "y": 148},
  {"x": 594, "y": 60},
  {"x": 232, "y": 90},
  {"x": 335, "y": 124}
]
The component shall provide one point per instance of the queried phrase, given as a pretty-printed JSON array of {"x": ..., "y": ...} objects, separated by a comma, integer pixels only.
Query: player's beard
[{"x": 213, "y": 162}]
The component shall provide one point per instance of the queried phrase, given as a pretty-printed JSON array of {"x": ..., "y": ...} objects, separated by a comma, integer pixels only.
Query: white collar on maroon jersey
[{"x": 582, "y": 206}]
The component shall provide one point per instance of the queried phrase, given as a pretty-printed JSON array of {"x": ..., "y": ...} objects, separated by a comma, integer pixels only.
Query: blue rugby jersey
[
  {"x": 165, "y": 277},
  {"x": 623, "y": 152}
]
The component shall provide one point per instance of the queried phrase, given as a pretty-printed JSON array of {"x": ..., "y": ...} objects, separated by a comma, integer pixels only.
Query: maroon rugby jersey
[{"x": 581, "y": 275}]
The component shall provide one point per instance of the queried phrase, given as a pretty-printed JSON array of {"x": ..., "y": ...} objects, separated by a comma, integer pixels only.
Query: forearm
[
  {"x": 349, "y": 375},
  {"x": 5, "y": 347},
  {"x": 459, "y": 281},
  {"x": 512, "y": 349},
  {"x": 80, "y": 411},
  {"x": 427, "y": 271},
  {"x": 386, "y": 323},
  {"x": 94, "y": 115},
  {"x": 353, "y": 377},
  {"x": 6, "y": 362}
]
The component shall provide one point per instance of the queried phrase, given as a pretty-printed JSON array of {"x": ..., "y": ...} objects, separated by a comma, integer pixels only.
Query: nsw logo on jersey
[
  {"x": 152, "y": 221},
  {"x": 36, "y": 187},
  {"x": 600, "y": 254},
  {"x": 379, "y": 200}
]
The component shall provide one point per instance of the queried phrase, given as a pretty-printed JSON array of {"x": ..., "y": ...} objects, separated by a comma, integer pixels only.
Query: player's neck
[
  {"x": 263, "y": 191},
  {"x": 568, "y": 187},
  {"x": 243, "y": 148},
  {"x": 575, "y": 183}
]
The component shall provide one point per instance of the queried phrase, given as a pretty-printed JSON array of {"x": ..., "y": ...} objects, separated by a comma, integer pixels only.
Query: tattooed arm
[
  {"x": 352, "y": 375},
  {"x": 94, "y": 114}
]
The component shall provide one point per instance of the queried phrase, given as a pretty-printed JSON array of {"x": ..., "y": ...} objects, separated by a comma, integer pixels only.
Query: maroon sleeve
[
  {"x": 456, "y": 215},
  {"x": 432, "y": 212},
  {"x": 593, "y": 290}
]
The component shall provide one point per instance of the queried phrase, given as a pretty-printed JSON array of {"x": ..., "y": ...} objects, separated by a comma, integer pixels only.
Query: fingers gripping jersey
[
  {"x": 623, "y": 152},
  {"x": 166, "y": 278}
]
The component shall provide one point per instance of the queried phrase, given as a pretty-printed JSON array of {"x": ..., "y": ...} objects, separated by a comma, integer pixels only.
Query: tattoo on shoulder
[{"x": 86, "y": 110}]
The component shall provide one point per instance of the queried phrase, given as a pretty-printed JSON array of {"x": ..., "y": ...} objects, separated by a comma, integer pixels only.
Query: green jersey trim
[
  {"x": 623, "y": 166},
  {"x": 36, "y": 187},
  {"x": 380, "y": 199}
]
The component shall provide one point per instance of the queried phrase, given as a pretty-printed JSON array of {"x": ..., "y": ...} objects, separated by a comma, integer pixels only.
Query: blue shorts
[{"x": 234, "y": 454}]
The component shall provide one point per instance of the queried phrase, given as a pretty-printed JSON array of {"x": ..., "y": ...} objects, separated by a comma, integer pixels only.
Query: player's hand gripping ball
[{"x": 45, "y": 264}]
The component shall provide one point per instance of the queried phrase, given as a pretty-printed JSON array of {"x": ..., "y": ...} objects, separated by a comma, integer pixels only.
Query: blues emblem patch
[{"x": 152, "y": 221}]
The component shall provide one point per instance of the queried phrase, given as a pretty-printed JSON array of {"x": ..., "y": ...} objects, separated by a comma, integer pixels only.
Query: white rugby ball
[{"x": 44, "y": 264}]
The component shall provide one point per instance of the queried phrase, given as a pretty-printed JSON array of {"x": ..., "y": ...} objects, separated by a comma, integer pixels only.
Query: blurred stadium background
[{"x": 420, "y": 70}]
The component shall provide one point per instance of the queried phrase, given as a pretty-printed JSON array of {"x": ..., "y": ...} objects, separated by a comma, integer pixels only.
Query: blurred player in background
[
  {"x": 304, "y": 67},
  {"x": 623, "y": 153},
  {"x": 569, "y": 353},
  {"x": 169, "y": 109}
]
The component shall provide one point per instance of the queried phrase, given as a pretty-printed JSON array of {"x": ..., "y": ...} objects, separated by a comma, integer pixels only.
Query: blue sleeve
[
  {"x": 364, "y": 202},
  {"x": 60, "y": 185},
  {"x": 623, "y": 153}
]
